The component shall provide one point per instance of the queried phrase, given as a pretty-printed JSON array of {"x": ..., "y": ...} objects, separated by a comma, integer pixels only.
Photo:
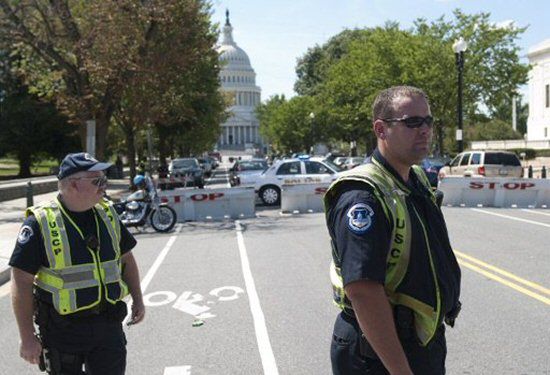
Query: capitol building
[{"x": 241, "y": 131}]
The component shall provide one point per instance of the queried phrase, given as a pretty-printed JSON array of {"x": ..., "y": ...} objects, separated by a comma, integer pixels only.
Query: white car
[{"x": 299, "y": 170}]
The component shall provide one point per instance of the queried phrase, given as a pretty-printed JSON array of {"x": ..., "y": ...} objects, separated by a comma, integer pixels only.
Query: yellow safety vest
[
  {"x": 81, "y": 284},
  {"x": 391, "y": 193}
]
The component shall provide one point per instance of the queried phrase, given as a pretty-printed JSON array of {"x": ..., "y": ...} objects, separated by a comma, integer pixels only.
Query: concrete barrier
[
  {"x": 495, "y": 192},
  {"x": 303, "y": 197},
  {"x": 19, "y": 189},
  {"x": 211, "y": 204}
]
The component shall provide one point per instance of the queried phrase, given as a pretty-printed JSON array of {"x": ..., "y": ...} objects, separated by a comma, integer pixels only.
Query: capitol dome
[{"x": 238, "y": 79}]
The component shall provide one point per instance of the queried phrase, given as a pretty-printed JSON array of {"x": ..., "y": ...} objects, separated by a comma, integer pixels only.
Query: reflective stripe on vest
[
  {"x": 63, "y": 278},
  {"x": 392, "y": 196}
]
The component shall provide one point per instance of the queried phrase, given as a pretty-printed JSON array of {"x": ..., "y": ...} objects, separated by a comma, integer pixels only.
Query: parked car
[
  {"x": 293, "y": 171},
  {"x": 353, "y": 162},
  {"x": 189, "y": 168},
  {"x": 246, "y": 172},
  {"x": 431, "y": 167},
  {"x": 206, "y": 165},
  {"x": 483, "y": 163}
]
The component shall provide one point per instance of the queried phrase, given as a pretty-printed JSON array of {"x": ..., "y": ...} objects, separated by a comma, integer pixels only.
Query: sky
[{"x": 275, "y": 33}]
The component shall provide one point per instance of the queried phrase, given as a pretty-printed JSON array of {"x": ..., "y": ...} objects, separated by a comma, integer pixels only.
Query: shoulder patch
[
  {"x": 25, "y": 234},
  {"x": 360, "y": 218}
]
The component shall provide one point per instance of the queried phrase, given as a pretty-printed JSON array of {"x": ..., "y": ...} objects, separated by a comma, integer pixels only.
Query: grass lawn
[{"x": 10, "y": 167}]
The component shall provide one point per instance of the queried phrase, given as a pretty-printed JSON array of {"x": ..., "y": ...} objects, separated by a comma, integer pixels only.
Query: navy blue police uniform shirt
[
  {"x": 29, "y": 253},
  {"x": 362, "y": 235}
]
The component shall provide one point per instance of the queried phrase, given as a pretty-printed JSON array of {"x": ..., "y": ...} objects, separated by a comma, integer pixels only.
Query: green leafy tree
[
  {"x": 290, "y": 125},
  {"x": 30, "y": 130},
  {"x": 83, "y": 54},
  {"x": 346, "y": 83},
  {"x": 492, "y": 130},
  {"x": 177, "y": 94}
]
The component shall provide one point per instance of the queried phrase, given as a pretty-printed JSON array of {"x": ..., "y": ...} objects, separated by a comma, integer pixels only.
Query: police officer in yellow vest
[
  {"x": 394, "y": 274},
  {"x": 72, "y": 266}
]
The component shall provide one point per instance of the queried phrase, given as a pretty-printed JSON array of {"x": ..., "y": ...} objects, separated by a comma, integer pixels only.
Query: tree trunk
[
  {"x": 24, "y": 165},
  {"x": 130, "y": 148},
  {"x": 101, "y": 132},
  {"x": 163, "y": 145}
]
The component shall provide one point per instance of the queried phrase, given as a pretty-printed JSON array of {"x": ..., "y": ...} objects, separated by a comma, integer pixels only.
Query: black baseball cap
[{"x": 78, "y": 162}]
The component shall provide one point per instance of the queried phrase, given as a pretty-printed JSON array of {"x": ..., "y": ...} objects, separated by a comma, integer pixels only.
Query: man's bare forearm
[
  {"x": 375, "y": 317},
  {"x": 131, "y": 277},
  {"x": 23, "y": 302}
]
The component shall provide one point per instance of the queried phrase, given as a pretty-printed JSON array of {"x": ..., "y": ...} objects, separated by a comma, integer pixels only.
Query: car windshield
[
  {"x": 252, "y": 165},
  {"x": 333, "y": 166},
  {"x": 184, "y": 163},
  {"x": 501, "y": 158}
]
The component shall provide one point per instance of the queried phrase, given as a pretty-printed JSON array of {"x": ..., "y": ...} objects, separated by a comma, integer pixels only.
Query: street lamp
[
  {"x": 312, "y": 118},
  {"x": 459, "y": 46}
]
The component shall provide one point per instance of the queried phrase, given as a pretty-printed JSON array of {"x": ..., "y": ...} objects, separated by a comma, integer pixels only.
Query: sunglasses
[
  {"x": 412, "y": 122},
  {"x": 96, "y": 181}
]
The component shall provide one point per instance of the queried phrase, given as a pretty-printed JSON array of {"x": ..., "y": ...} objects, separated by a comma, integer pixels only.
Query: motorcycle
[{"x": 143, "y": 207}]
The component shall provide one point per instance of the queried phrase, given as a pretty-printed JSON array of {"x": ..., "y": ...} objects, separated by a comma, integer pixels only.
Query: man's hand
[
  {"x": 30, "y": 350},
  {"x": 138, "y": 312}
]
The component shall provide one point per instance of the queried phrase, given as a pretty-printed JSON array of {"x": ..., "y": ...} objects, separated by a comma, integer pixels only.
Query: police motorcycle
[{"x": 144, "y": 207}]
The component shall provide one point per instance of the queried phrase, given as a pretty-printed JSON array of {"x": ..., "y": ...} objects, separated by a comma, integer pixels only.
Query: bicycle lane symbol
[{"x": 191, "y": 303}]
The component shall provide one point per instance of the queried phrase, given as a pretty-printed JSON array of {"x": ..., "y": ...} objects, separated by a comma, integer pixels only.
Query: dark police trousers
[
  {"x": 90, "y": 338},
  {"x": 351, "y": 354}
]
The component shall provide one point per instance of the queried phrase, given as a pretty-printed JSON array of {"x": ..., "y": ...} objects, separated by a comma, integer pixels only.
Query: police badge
[
  {"x": 25, "y": 234},
  {"x": 360, "y": 218}
]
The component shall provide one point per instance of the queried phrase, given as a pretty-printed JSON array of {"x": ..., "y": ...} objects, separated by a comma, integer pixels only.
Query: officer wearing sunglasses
[
  {"x": 71, "y": 267},
  {"x": 394, "y": 274}
]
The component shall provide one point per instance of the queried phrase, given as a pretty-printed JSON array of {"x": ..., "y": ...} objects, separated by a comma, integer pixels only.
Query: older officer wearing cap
[{"x": 72, "y": 266}]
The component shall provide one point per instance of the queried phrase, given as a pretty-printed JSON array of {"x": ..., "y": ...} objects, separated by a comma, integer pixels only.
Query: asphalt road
[{"x": 259, "y": 296}]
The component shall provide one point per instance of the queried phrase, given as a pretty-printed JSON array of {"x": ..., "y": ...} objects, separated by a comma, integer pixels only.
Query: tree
[
  {"x": 83, "y": 54},
  {"x": 345, "y": 84},
  {"x": 177, "y": 94},
  {"x": 311, "y": 69},
  {"x": 31, "y": 129},
  {"x": 492, "y": 130},
  {"x": 291, "y": 126}
]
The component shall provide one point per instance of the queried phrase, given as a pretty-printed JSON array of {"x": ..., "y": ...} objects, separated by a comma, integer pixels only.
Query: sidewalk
[{"x": 12, "y": 214}]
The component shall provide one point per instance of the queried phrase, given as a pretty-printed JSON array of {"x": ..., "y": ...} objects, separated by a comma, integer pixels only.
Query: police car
[{"x": 301, "y": 170}]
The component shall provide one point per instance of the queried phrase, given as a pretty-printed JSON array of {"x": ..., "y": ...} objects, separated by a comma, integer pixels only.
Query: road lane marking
[
  {"x": 507, "y": 274},
  {"x": 262, "y": 337},
  {"x": 505, "y": 282},
  {"x": 177, "y": 370},
  {"x": 535, "y": 212},
  {"x": 151, "y": 273},
  {"x": 512, "y": 217}
]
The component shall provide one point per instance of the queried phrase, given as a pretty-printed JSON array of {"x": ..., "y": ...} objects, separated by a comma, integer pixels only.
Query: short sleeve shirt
[
  {"x": 29, "y": 253},
  {"x": 361, "y": 233}
]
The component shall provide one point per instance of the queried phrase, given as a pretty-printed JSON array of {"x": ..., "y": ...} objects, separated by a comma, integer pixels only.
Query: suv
[
  {"x": 189, "y": 168},
  {"x": 483, "y": 163},
  {"x": 301, "y": 170}
]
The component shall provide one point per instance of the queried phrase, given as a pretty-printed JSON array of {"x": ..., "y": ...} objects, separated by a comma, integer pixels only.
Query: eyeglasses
[
  {"x": 97, "y": 181},
  {"x": 412, "y": 122}
]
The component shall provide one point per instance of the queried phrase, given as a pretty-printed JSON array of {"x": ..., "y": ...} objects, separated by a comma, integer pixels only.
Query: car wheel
[{"x": 270, "y": 195}]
